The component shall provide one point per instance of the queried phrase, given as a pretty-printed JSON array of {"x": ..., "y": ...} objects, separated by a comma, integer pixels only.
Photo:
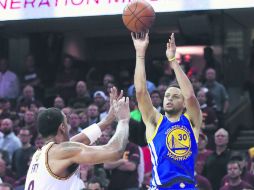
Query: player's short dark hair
[
  {"x": 48, "y": 121},
  {"x": 174, "y": 84}
]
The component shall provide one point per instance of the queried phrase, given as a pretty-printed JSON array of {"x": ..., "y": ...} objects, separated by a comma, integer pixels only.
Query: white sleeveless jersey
[{"x": 40, "y": 177}]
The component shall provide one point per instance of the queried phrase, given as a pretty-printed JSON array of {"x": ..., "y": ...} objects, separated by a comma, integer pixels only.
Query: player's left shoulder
[{"x": 195, "y": 126}]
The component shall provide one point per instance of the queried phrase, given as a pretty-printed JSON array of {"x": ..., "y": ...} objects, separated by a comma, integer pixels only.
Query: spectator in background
[
  {"x": 23, "y": 154},
  {"x": 235, "y": 182},
  {"x": 30, "y": 124},
  {"x": 100, "y": 99},
  {"x": 157, "y": 101},
  {"x": 125, "y": 79},
  {"x": 9, "y": 141},
  {"x": 5, "y": 174},
  {"x": 30, "y": 76},
  {"x": 162, "y": 89},
  {"x": 203, "y": 153},
  {"x": 105, "y": 136},
  {"x": 245, "y": 174},
  {"x": 86, "y": 172},
  {"x": 108, "y": 78},
  {"x": 109, "y": 86},
  {"x": 9, "y": 83},
  {"x": 27, "y": 99},
  {"x": 219, "y": 93},
  {"x": 124, "y": 173},
  {"x": 150, "y": 87},
  {"x": 210, "y": 120},
  {"x": 196, "y": 82},
  {"x": 82, "y": 99},
  {"x": 83, "y": 119},
  {"x": 4, "y": 155},
  {"x": 67, "y": 78},
  {"x": 74, "y": 122},
  {"x": 202, "y": 182},
  {"x": 95, "y": 183},
  {"x": 93, "y": 114},
  {"x": 59, "y": 102},
  {"x": 6, "y": 111},
  {"x": 39, "y": 142},
  {"x": 216, "y": 164}
]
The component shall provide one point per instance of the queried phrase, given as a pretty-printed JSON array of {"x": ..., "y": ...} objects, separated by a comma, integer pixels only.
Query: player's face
[{"x": 173, "y": 101}]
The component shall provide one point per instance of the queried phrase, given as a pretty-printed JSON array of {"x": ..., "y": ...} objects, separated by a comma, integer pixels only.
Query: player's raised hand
[
  {"x": 113, "y": 95},
  {"x": 140, "y": 41},
  {"x": 171, "y": 48},
  {"x": 122, "y": 108}
]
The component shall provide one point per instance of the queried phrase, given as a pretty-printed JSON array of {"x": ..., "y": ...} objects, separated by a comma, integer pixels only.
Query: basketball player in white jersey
[{"x": 55, "y": 165}]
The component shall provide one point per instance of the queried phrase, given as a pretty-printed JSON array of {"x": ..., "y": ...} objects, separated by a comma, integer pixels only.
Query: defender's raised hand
[
  {"x": 113, "y": 95},
  {"x": 122, "y": 108}
]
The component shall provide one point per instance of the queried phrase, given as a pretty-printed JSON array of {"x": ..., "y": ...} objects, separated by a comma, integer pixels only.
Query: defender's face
[{"x": 173, "y": 100}]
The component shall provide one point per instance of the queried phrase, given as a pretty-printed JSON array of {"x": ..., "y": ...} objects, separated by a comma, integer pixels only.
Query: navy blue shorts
[{"x": 176, "y": 186}]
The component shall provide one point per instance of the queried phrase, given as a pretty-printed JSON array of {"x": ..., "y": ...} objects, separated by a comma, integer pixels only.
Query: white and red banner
[{"x": 37, "y": 9}]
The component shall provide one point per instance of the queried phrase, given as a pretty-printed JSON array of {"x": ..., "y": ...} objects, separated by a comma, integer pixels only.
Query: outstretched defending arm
[
  {"x": 79, "y": 153},
  {"x": 149, "y": 114},
  {"x": 191, "y": 102},
  {"x": 91, "y": 133}
]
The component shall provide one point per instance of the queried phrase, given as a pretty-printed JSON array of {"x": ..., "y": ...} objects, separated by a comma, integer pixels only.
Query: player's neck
[
  {"x": 173, "y": 117},
  {"x": 51, "y": 139}
]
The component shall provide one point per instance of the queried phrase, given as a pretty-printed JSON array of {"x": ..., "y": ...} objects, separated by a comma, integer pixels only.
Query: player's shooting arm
[{"x": 149, "y": 114}]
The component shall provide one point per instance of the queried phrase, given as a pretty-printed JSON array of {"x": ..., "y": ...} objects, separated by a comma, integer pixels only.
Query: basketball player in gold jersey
[{"x": 172, "y": 138}]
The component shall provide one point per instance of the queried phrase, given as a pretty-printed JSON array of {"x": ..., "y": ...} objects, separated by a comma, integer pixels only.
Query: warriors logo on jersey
[{"x": 178, "y": 142}]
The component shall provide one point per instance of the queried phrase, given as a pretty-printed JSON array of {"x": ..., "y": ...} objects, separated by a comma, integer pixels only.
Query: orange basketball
[{"x": 138, "y": 16}]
